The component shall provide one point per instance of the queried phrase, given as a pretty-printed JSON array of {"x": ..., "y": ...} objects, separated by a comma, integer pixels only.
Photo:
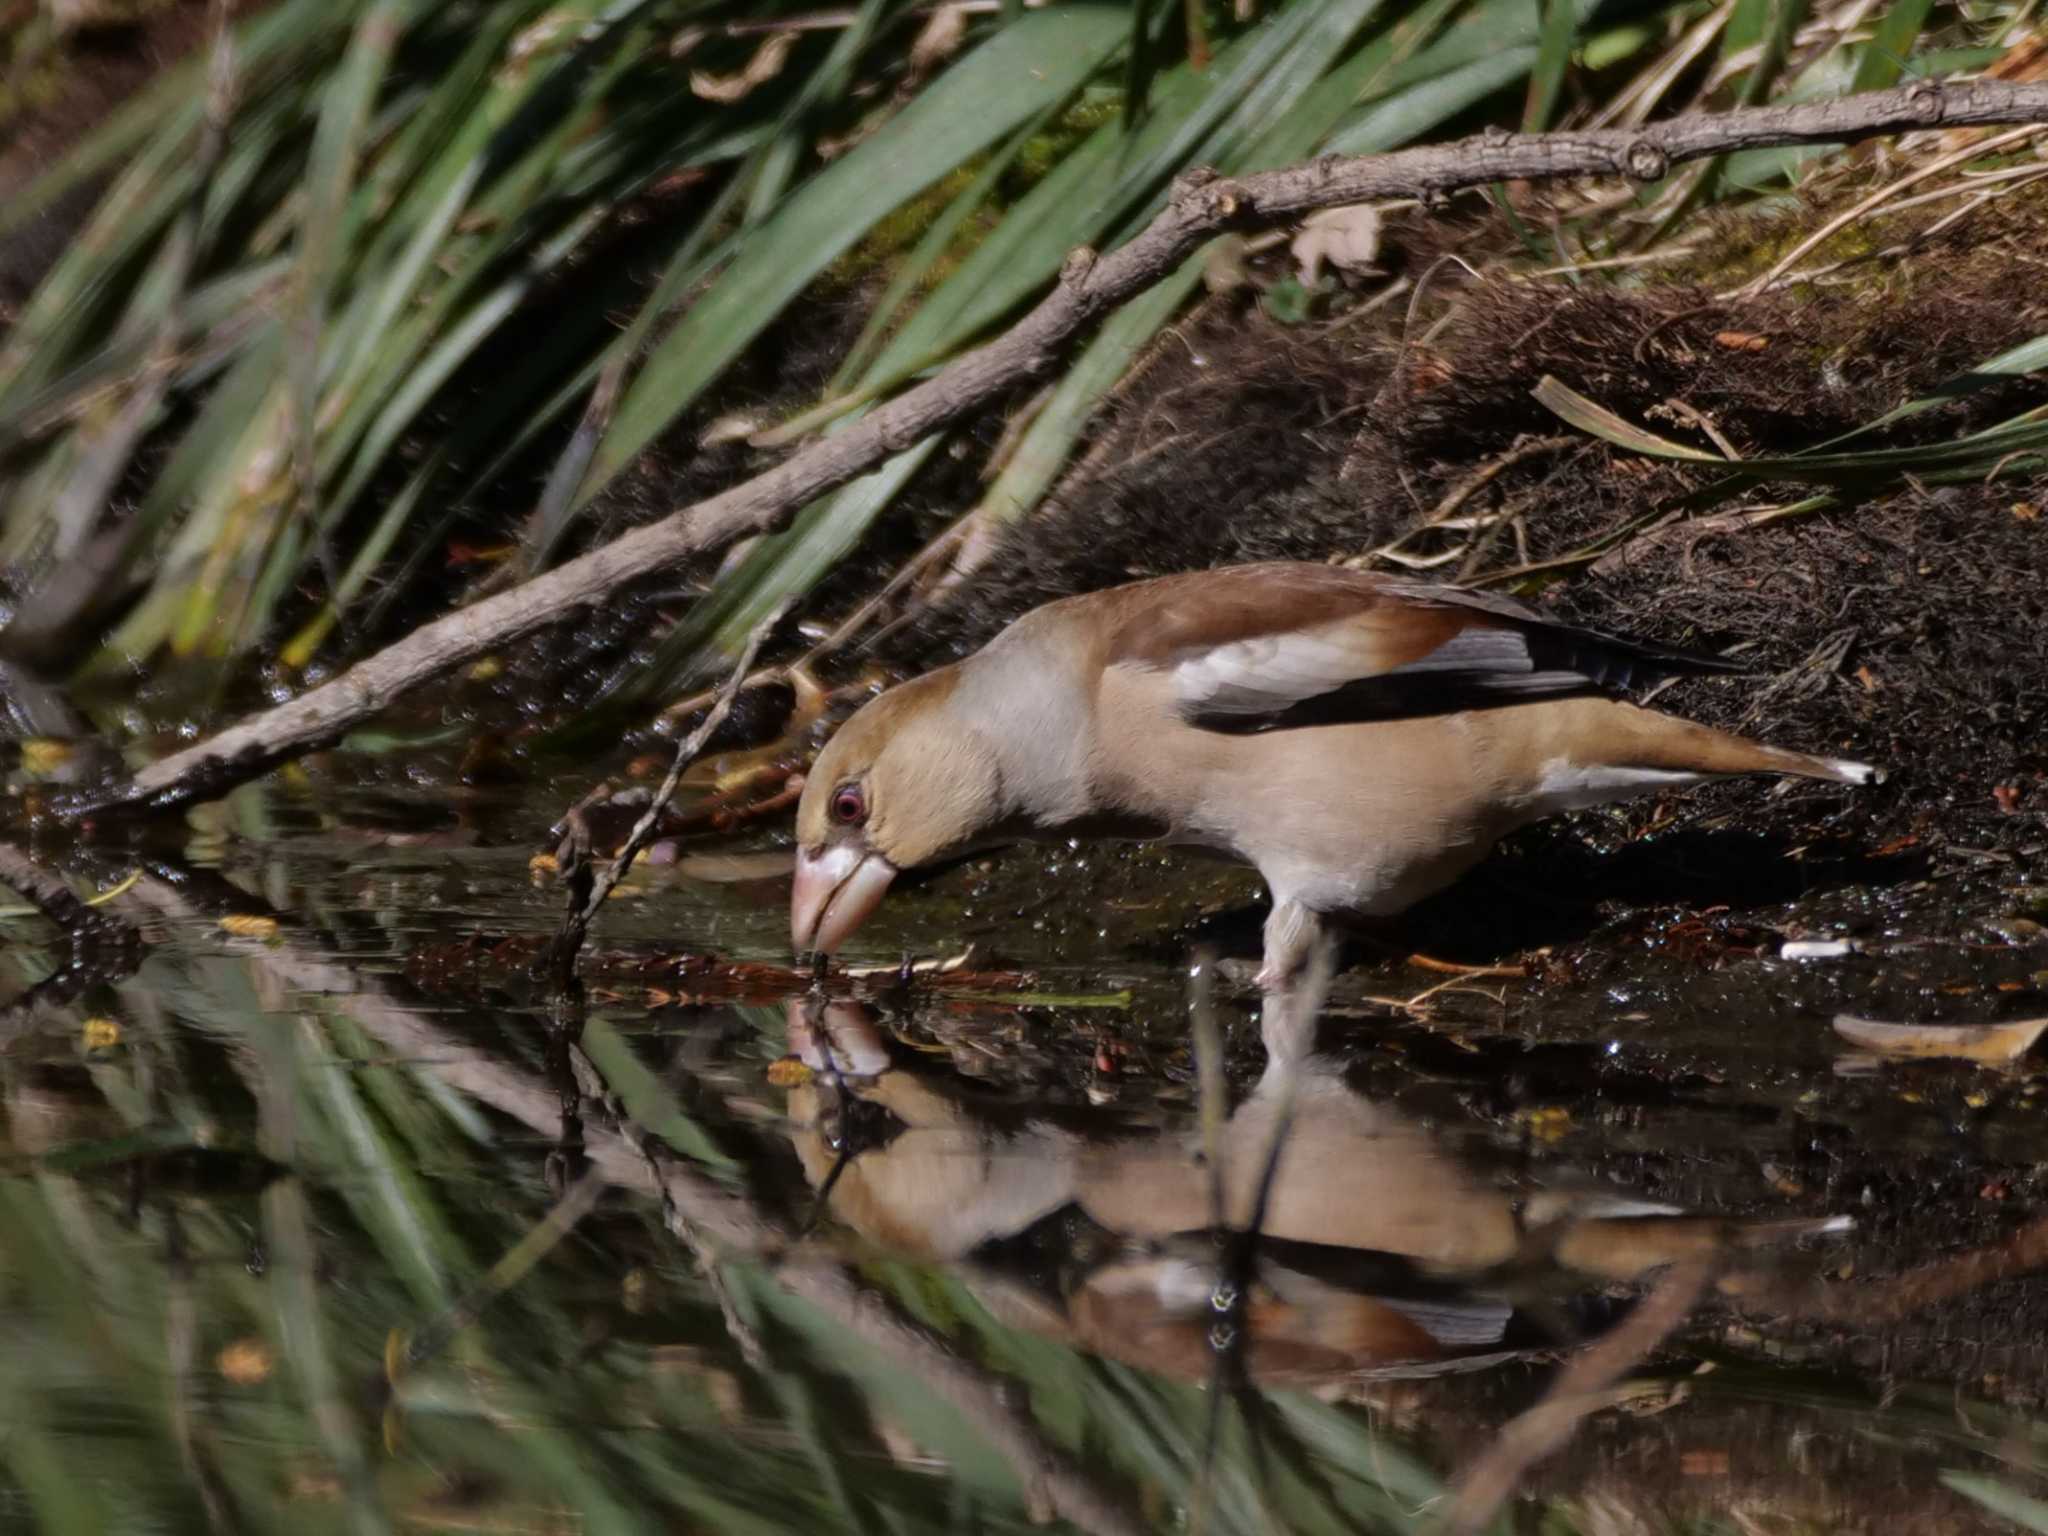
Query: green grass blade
[
  {"x": 1568, "y": 405},
  {"x": 718, "y": 625},
  {"x": 1553, "y": 57},
  {"x": 1010, "y": 78},
  {"x": 929, "y": 250},
  {"x": 1891, "y": 45},
  {"x": 647, "y": 1099},
  {"x": 1249, "y": 90},
  {"x": 2002, "y": 1499},
  {"x": 2028, "y": 357},
  {"x": 1047, "y": 443},
  {"x": 168, "y": 107},
  {"x": 57, "y": 318},
  {"x": 1405, "y": 115}
]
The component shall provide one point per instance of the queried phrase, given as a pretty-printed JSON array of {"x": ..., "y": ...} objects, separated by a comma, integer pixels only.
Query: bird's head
[{"x": 906, "y": 782}]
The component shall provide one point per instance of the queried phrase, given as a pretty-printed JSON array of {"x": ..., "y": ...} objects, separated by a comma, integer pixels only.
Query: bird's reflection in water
[{"x": 1381, "y": 1252}]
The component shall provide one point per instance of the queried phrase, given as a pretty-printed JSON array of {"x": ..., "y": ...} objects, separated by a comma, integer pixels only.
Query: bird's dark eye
[{"x": 849, "y": 805}]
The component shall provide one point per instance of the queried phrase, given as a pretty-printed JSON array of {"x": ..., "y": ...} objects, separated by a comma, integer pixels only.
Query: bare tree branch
[{"x": 1202, "y": 205}]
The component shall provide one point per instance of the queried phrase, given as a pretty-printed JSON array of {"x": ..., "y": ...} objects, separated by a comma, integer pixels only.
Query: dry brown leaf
[
  {"x": 1741, "y": 341},
  {"x": 937, "y": 40},
  {"x": 764, "y": 66},
  {"x": 246, "y": 1362},
  {"x": 788, "y": 1072},
  {"x": 736, "y": 868},
  {"x": 1990, "y": 1044},
  {"x": 100, "y": 1033}
]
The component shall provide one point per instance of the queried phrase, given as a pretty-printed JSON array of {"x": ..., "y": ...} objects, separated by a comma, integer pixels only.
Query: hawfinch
[{"x": 1361, "y": 740}]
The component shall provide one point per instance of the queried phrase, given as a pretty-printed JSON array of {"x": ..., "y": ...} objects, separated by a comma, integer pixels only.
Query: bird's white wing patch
[
  {"x": 1268, "y": 674},
  {"x": 1569, "y": 786}
]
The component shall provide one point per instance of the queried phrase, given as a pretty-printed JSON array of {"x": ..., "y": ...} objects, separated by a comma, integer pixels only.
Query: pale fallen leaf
[
  {"x": 1817, "y": 949},
  {"x": 43, "y": 756},
  {"x": 1988, "y": 1043},
  {"x": 938, "y": 40},
  {"x": 1348, "y": 238},
  {"x": 730, "y": 428},
  {"x": 764, "y": 66},
  {"x": 736, "y": 868}
]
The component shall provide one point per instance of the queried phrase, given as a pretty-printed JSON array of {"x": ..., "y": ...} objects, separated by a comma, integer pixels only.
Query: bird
[
  {"x": 1362, "y": 740},
  {"x": 1381, "y": 1239}
]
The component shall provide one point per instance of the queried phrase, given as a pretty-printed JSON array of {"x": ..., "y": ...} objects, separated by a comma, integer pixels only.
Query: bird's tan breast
[{"x": 1362, "y": 816}]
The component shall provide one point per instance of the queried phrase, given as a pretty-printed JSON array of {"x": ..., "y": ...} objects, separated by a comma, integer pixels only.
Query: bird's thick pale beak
[
  {"x": 835, "y": 890},
  {"x": 839, "y": 1036}
]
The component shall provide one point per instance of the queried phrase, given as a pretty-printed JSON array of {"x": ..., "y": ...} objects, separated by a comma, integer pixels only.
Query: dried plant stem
[
  {"x": 1870, "y": 204},
  {"x": 582, "y": 912},
  {"x": 1202, "y": 205}
]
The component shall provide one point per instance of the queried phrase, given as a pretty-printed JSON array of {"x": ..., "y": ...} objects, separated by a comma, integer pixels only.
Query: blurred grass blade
[
  {"x": 1049, "y": 441},
  {"x": 1553, "y": 57},
  {"x": 718, "y": 624},
  {"x": 1250, "y": 90},
  {"x": 1403, "y": 116},
  {"x": 169, "y": 105},
  {"x": 647, "y": 1099},
  {"x": 930, "y": 249},
  {"x": 1040, "y": 59},
  {"x": 1884, "y": 57},
  {"x": 2002, "y": 1499}
]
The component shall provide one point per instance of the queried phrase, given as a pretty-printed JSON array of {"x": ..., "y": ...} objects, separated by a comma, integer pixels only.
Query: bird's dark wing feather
[{"x": 1263, "y": 647}]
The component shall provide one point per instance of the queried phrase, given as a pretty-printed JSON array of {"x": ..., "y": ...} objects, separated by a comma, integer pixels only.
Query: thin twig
[
  {"x": 577, "y": 923},
  {"x": 1467, "y": 488},
  {"x": 1202, "y": 206}
]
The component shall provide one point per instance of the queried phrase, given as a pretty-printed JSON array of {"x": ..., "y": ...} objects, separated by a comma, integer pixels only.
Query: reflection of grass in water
[
  {"x": 212, "y": 1352},
  {"x": 170, "y": 1385}
]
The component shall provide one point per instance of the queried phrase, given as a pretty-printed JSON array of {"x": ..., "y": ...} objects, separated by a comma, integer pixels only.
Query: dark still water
[{"x": 319, "y": 1212}]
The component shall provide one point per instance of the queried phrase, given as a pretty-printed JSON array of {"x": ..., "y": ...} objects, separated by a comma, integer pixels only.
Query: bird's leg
[{"x": 1293, "y": 934}]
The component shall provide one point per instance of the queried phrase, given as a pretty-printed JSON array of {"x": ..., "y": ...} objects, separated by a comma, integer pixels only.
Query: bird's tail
[{"x": 1602, "y": 734}]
